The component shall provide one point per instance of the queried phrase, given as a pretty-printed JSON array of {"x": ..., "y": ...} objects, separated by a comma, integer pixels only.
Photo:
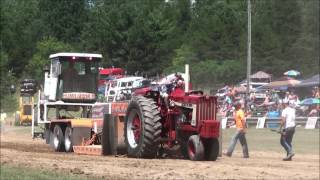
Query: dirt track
[{"x": 19, "y": 149}]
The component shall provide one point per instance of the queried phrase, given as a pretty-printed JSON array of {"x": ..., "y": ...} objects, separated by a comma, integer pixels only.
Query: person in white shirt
[{"x": 288, "y": 125}]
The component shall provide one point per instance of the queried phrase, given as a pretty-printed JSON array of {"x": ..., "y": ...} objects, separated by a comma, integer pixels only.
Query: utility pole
[{"x": 248, "y": 56}]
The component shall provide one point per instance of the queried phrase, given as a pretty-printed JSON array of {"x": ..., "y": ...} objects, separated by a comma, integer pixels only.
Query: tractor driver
[
  {"x": 166, "y": 89},
  {"x": 179, "y": 81}
]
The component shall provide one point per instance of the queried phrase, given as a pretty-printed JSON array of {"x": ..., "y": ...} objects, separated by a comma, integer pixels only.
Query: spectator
[
  {"x": 252, "y": 96},
  {"x": 286, "y": 96},
  {"x": 227, "y": 104},
  {"x": 316, "y": 92},
  {"x": 291, "y": 95},
  {"x": 228, "y": 99},
  {"x": 242, "y": 101},
  {"x": 275, "y": 97},
  {"x": 314, "y": 111},
  {"x": 233, "y": 91},
  {"x": 267, "y": 101},
  {"x": 294, "y": 99},
  {"x": 273, "y": 111}
]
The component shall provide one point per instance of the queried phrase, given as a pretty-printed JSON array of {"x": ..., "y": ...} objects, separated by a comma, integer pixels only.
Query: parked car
[
  {"x": 222, "y": 92},
  {"x": 253, "y": 85},
  {"x": 118, "y": 88}
]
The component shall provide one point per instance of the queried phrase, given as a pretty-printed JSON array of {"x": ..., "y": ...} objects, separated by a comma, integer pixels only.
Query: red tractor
[{"x": 165, "y": 115}]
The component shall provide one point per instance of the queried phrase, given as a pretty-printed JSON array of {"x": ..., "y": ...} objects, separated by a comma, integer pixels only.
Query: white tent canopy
[{"x": 260, "y": 75}]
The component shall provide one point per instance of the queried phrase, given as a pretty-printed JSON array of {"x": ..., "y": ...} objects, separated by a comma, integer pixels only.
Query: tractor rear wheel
[
  {"x": 142, "y": 128},
  {"x": 68, "y": 145},
  {"x": 195, "y": 148},
  {"x": 57, "y": 138},
  {"x": 211, "y": 149}
]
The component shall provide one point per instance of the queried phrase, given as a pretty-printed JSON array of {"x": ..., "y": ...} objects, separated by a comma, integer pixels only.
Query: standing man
[
  {"x": 240, "y": 133},
  {"x": 287, "y": 125}
]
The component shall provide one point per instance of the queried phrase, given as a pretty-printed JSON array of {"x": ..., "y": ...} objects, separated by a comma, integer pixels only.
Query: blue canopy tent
[{"x": 312, "y": 81}]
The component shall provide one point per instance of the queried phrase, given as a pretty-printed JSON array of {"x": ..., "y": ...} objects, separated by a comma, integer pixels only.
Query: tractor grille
[
  {"x": 27, "y": 110},
  {"x": 206, "y": 109}
]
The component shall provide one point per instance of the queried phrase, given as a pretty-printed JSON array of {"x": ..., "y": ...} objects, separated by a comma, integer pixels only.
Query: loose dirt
[{"x": 20, "y": 149}]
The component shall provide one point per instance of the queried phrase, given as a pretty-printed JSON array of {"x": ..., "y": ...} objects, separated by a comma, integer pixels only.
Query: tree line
[{"x": 160, "y": 36}]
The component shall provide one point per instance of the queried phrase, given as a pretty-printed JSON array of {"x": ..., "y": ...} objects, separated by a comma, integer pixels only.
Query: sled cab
[{"x": 73, "y": 77}]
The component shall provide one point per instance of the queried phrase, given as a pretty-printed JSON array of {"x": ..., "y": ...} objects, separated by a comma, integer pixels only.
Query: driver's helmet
[
  {"x": 180, "y": 83},
  {"x": 178, "y": 76}
]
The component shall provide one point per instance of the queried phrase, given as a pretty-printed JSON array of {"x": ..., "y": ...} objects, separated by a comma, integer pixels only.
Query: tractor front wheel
[
  {"x": 142, "y": 128},
  {"x": 211, "y": 149},
  {"x": 184, "y": 150},
  {"x": 195, "y": 148}
]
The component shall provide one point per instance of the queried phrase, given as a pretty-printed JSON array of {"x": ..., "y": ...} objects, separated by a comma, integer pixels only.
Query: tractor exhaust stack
[{"x": 186, "y": 81}]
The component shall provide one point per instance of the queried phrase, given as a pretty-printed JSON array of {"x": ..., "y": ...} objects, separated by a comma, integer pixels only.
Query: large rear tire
[
  {"x": 211, "y": 149},
  {"x": 57, "y": 139},
  {"x": 68, "y": 144},
  {"x": 142, "y": 128},
  {"x": 195, "y": 148}
]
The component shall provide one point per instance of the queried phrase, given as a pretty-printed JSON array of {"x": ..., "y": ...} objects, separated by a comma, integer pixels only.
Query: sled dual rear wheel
[
  {"x": 57, "y": 138},
  {"x": 68, "y": 144}
]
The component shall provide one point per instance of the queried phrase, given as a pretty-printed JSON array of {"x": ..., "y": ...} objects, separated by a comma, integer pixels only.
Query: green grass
[
  {"x": 10, "y": 172},
  {"x": 305, "y": 141}
]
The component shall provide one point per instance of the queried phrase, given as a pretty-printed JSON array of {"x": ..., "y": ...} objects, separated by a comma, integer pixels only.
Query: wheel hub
[
  {"x": 67, "y": 142},
  {"x": 134, "y": 130},
  {"x": 191, "y": 148},
  {"x": 56, "y": 140}
]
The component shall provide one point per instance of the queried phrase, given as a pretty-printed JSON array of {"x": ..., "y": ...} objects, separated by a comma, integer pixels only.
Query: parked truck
[{"x": 26, "y": 100}]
